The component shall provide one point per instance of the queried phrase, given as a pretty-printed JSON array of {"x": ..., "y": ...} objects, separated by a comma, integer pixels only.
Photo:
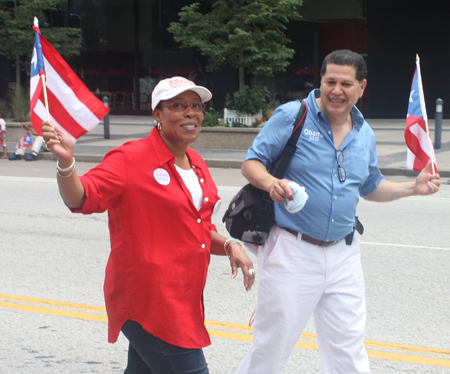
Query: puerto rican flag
[
  {"x": 25, "y": 141},
  {"x": 72, "y": 107},
  {"x": 416, "y": 133}
]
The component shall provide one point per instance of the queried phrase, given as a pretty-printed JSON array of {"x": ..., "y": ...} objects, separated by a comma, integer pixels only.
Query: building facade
[{"x": 127, "y": 51}]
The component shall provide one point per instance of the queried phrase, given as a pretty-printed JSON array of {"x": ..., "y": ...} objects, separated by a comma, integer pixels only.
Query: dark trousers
[{"x": 148, "y": 354}]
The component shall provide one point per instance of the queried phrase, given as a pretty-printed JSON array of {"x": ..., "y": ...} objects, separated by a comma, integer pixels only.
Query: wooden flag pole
[
  {"x": 424, "y": 110},
  {"x": 44, "y": 88}
]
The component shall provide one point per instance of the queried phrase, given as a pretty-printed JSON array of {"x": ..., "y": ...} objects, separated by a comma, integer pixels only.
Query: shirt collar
[
  {"x": 357, "y": 117},
  {"x": 163, "y": 153}
]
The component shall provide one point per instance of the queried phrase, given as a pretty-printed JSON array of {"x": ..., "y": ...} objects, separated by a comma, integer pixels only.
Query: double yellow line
[{"x": 233, "y": 331}]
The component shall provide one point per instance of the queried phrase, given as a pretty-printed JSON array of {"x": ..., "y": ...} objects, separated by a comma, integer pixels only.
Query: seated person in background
[{"x": 35, "y": 142}]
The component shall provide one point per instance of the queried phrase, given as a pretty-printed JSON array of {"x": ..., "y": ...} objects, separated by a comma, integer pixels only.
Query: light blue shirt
[{"x": 329, "y": 213}]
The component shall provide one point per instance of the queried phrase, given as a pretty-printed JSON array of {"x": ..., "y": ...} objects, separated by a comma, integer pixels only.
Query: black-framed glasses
[
  {"x": 181, "y": 107},
  {"x": 341, "y": 170}
]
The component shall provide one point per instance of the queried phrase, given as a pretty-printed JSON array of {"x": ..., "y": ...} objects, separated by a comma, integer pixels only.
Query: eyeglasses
[
  {"x": 181, "y": 107},
  {"x": 341, "y": 170}
]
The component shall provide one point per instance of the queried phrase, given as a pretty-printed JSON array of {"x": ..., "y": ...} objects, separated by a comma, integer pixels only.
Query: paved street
[{"x": 52, "y": 267}]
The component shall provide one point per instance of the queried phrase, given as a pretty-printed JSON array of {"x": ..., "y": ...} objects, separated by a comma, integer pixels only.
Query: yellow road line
[
  {"x": 367, "y": 343},
  {"x": 54, "y": 312},
  {"x": 375, "y": 354},
  {"x": 408, "y": 348},
  {"x": 62, "y": 304},
  {"x": 409, "y": 358},
  {"x": 249, "y": 338},
  {"x": 20, "y": 303}
]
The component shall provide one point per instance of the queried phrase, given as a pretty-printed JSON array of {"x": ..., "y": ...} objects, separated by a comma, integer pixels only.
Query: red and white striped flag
[
  {"x": 72, "y": 107},
  {"x": 417, "y": 134},
  {"x": 25, "y": 141}
]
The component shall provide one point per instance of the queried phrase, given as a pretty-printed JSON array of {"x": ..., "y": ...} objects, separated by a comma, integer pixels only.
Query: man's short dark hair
[{"x": 349, "y": 58}]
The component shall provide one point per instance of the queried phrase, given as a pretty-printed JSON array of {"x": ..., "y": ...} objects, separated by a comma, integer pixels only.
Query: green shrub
[
  {"x": 211, "y": 118},
  {"x": 4, "y": 108},
  {"x": 248, "y": 100},
  {"x": 20, "y": 104}
]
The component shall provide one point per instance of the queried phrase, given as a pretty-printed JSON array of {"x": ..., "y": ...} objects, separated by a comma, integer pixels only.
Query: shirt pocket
[{"x": 359, "y": 164}]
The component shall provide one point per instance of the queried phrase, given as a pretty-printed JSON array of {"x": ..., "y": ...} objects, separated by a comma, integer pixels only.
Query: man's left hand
[{"x": 426, "y": 183}]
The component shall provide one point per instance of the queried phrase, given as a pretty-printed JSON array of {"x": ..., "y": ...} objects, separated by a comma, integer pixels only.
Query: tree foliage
[
  {"x": 17, "y": 34},
  {"x": 248, "y": 100},
  {"x": 246, "y": 34}
]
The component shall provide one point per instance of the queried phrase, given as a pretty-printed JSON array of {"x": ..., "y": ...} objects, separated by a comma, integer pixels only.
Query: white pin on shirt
[{"x": 162, "y": 176}]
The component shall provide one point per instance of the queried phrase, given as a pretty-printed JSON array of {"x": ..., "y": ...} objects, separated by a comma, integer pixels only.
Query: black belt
[
  {"x": 310, "y": 240},
  {"x": 348, "y": 239}
]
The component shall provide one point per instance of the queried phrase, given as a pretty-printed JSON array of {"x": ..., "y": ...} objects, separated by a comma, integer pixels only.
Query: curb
[
  {"x": 211, "y": 163},
  {"x": 386, "y": 171},
  {"x": 225, "y": 164},
  {"x": 236, "y": 164}
]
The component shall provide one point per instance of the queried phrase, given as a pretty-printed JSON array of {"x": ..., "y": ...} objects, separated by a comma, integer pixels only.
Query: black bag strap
[{"x": 291, "y": 145}]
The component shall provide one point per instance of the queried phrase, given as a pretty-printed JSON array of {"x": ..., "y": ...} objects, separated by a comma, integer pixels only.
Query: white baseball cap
[{"x": 171, "y": 87}]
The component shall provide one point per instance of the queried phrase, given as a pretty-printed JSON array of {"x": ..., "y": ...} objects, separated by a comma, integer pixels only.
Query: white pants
[
  {"x": 297, "y": 279},
  {"x": 35, "y": 148}
]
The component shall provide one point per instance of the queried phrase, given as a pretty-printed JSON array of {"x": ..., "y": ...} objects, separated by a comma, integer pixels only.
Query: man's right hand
[
  {"x": 257, "y": 175},
  {"x": 280, "y": 191}
]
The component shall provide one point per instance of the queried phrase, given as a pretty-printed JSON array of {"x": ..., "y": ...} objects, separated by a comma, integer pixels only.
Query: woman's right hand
[
  {"x": 58, "y": 142},
  {"x": 61, "y": 145}
]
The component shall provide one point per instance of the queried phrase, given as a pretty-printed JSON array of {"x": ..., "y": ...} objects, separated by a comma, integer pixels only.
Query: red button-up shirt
[{"x": 160, "y": 243}]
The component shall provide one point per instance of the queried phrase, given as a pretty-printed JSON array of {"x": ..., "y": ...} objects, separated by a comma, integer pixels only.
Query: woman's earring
[{"x": 159, "y": 126}]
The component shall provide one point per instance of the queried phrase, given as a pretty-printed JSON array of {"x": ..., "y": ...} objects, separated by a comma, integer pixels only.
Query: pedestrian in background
[
  {"x": 311, "y": 261},
  {"x": 160, "y": 198},
  {"x": 3, "y": 136}
]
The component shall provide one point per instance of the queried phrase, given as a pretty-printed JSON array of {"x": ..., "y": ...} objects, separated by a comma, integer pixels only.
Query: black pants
[{"x": 148, "y": 354}]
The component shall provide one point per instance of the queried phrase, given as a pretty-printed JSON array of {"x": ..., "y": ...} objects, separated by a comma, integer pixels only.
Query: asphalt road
[{"x": 52, "y": 267}]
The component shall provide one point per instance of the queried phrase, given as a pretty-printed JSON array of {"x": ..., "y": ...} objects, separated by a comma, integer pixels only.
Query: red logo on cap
[{"x": 180, "y": 82}]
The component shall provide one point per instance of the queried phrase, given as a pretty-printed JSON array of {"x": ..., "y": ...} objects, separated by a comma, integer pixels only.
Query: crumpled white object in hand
[{"x": 299, "y": 197}]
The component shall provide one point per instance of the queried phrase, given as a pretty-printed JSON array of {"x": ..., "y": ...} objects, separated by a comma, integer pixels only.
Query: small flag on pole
[
  {"x": 58, "y": 94},
  {"x": 25, "y": 141},
  {"x": 417, "y": 134}
]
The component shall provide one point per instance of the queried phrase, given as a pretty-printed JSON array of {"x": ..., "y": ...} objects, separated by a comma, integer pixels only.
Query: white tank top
[{"x": 190, "y": 179}]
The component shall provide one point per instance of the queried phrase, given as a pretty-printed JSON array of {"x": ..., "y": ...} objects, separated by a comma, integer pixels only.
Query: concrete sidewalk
[{"x": 389, "y": 134}]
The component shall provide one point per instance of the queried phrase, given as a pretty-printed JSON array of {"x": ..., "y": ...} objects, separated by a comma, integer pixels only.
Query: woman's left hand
[{"x": 239, "y": 259}]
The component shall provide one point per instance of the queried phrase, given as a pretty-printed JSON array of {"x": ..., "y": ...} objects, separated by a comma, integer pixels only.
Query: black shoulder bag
[{"x": 250, "y": 215}]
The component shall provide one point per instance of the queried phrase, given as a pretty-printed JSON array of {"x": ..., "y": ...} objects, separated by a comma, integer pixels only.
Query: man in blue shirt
[{"x": 306, "y": 265}]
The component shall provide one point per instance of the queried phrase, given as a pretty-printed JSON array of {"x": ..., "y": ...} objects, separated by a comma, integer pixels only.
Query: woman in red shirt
[{"x": 160, "y": 198}]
